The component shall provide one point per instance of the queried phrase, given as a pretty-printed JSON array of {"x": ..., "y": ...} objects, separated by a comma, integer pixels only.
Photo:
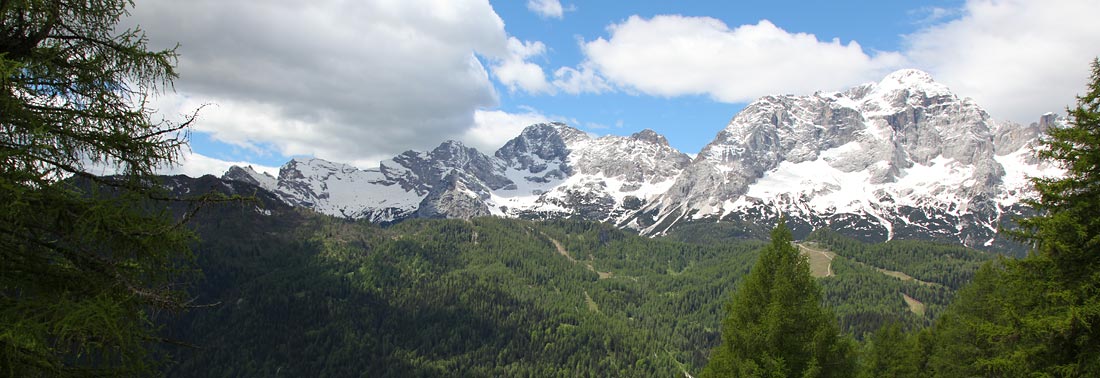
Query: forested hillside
[
  {"x": 296, "y": 293},
  {"x": 301, "y": 294},
  {"x": 904, "y": 281}
]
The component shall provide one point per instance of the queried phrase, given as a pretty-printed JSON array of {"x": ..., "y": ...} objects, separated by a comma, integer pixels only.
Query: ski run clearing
[{"x": 821, "y": 261}]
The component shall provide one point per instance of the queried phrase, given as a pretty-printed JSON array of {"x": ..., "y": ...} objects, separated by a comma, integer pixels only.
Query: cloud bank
[
  {"x": 347, "y": 81},
  {"x": 516, "y": 72},
  {"x": 676, "y": 56}
]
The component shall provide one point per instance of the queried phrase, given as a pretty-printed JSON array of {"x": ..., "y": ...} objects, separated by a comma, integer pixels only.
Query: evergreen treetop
[{"x": 776, "y": 326}]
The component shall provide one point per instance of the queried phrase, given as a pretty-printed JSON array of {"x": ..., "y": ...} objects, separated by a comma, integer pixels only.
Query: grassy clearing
[
  {"x": 821, "y": 260},
  {"x": 561, "y": 250},
  {"x": 904, "y": 277},
  {"x": 914, "y": 305},
  {"x": 821, "y": 263}
]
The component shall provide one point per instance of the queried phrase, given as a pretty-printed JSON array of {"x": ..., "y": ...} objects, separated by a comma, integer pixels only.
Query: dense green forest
[
  {"x": 776, "y": 325},
  {"x": 296, "y": 293},
  {"x": 302, "y": 294},
  {"x": 872, "y": 280}
]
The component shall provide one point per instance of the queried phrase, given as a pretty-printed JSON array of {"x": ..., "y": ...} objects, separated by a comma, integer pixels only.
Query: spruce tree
[
  {"x": 86, "y": 262},
  {"x": 776, "y": 326},
  {"x": 1064, "y": 266},
  {"x": 1040, "y": 315}
]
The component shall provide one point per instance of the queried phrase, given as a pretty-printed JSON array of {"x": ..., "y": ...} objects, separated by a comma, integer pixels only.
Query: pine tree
[
  {"x": 85, "y": 261},
  {"x": 776, "y": 326}
]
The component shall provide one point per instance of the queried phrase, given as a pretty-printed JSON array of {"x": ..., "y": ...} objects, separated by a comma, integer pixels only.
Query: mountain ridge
[{"x": 902, "y": 157}]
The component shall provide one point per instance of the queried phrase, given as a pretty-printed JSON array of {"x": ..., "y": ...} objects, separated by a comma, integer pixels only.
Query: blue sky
[{"x": 360, "y": 82}]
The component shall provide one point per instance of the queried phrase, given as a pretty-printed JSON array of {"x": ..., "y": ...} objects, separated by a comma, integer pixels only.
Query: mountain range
[{"x": 904, "y": 157}]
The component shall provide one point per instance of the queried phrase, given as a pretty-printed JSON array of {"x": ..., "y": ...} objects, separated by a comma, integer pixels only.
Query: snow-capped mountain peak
[
  {"x": 912, "y": 79},
  {"x": 650, "y": 136},
  {"x": 250, "y": 175},
  {"x": 548, "y": 170},
  {"x": 901, "y": 157}
]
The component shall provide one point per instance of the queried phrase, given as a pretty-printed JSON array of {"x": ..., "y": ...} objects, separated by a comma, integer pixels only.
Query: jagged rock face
[
  {"x": 644, "y": 157},
  {"x": 550, "y": 170},
  {"x": 419, "y": 172},
  {"x": 765, "y": 133},
  {"x": 925, "y": 119},
  {"x": 304, "y": 180},
  {"x": 884, "y": 129},
  {"x": 540, "y": 151},
  {"x": 903, "y": 157},
  {"x": 454, "y": 198},
  {"x": 346, "y": 191},
  {"x": 561, "y": 171},
  {"x": 251, "y": 176},
  {"x": 1009, "y": 137},
  {"x": 485, "y": 169}
]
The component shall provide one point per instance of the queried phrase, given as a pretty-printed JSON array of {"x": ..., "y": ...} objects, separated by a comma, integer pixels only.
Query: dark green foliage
[
  {"x": 84, "y": 261},
  {"x": 711, "y": 232},
  {"x": 890, "y": 353},
  {"x": 303, "y": 294},
  {"x": 865, "y": 298},
  {"x": 949, "y": 265},
  {"x": 306, "y": 295},
  {"x": 976, "y": 337},
  {"x": 776, "y": 326}
]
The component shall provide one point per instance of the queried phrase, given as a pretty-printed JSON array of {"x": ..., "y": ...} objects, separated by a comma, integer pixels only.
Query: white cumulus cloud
[
  {"x": 515, "y": 71},
  {"x": 583, "y": 80},
  {"x": 673, "y": 55},
  {"x": 1016, "y": 58}
]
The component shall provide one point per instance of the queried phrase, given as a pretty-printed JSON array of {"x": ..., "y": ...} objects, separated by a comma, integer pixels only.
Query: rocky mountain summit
[
  {"x": 550, "y": 170},
  {"x": 903, "y": 157}
]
